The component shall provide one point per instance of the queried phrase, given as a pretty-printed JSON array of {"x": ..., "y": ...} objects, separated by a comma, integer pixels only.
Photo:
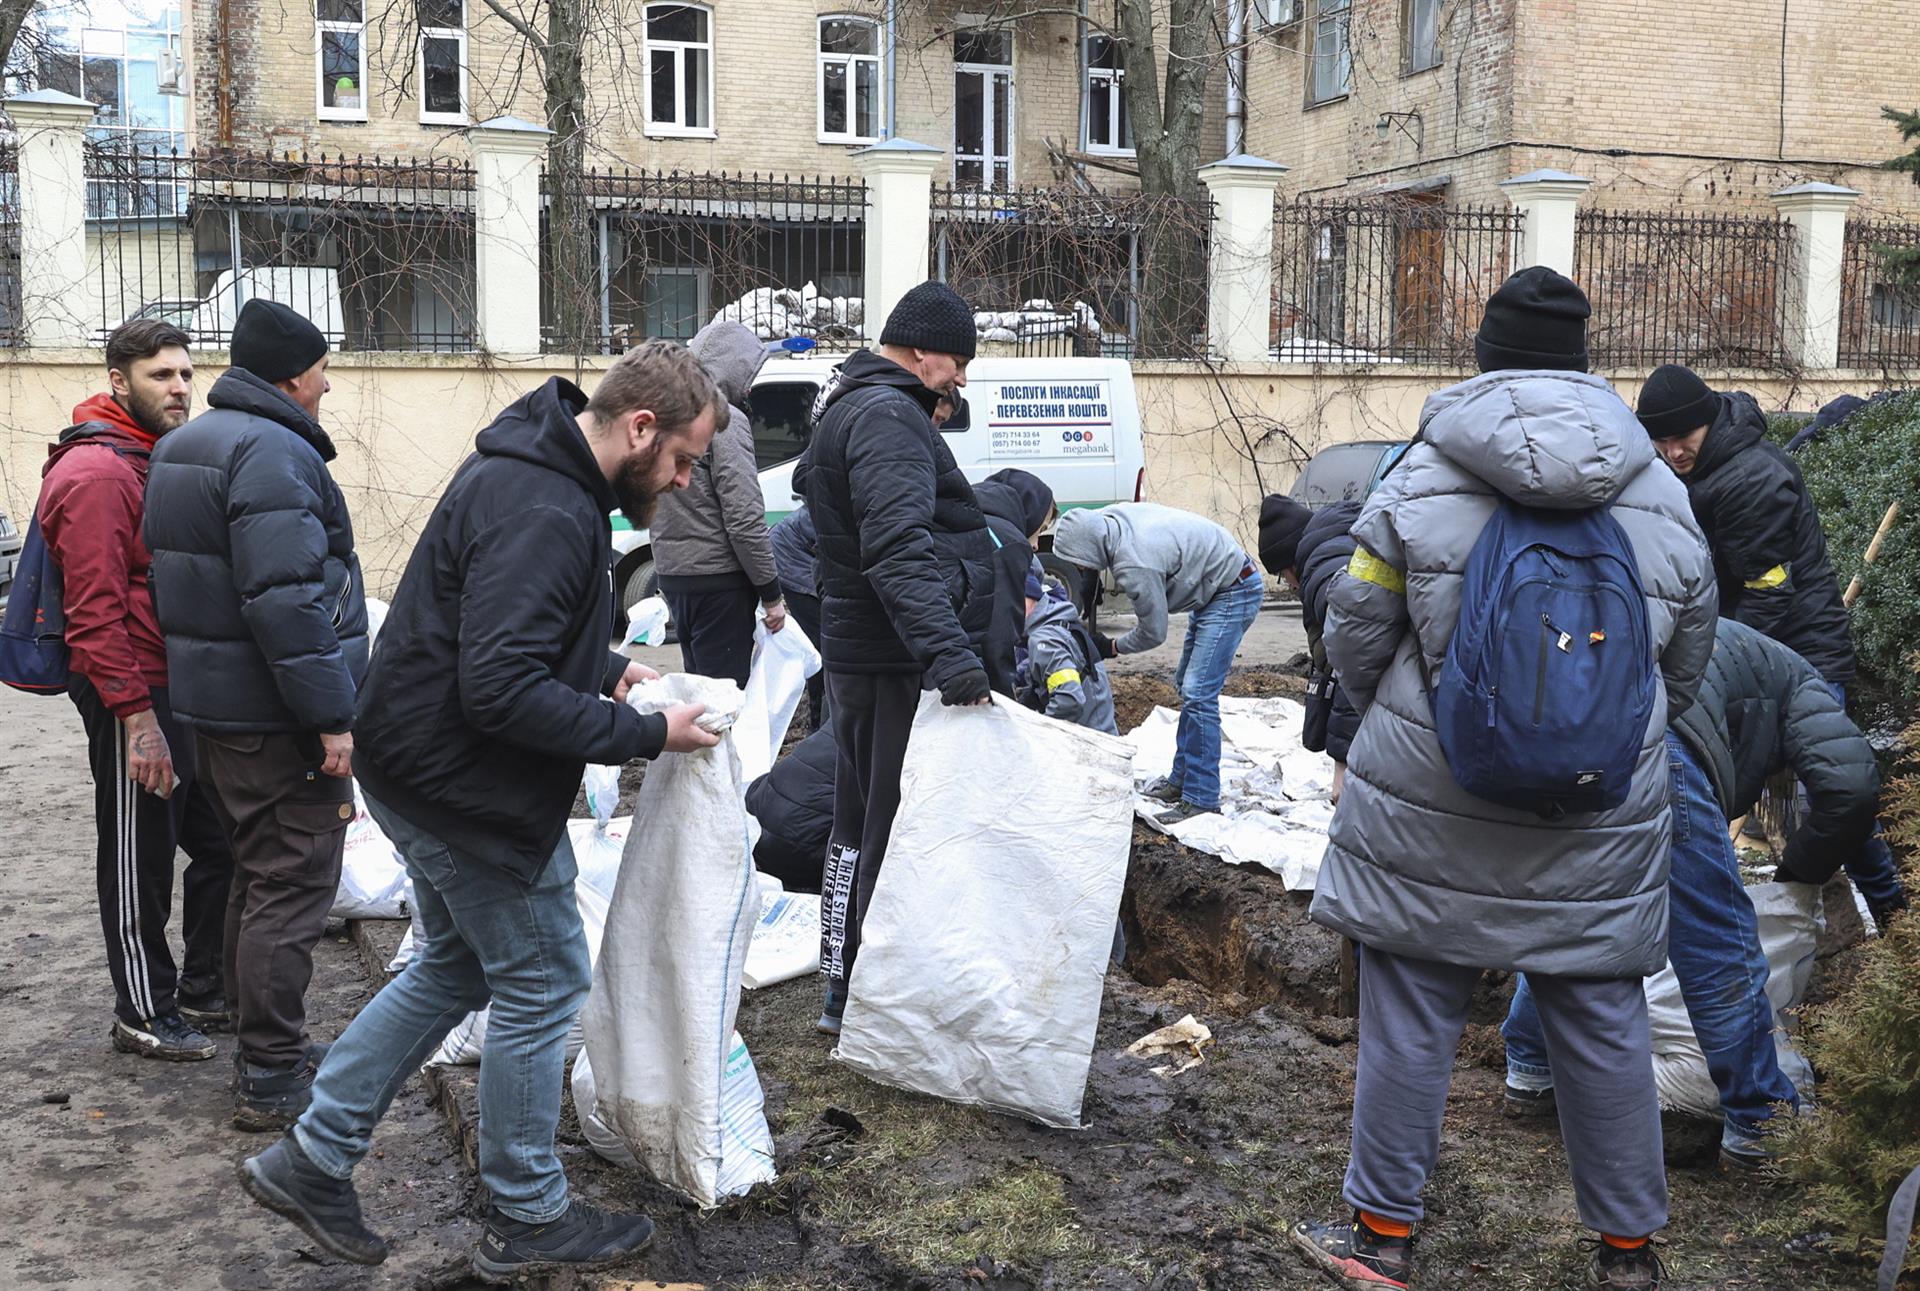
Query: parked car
[
  {"x": 1343, "y": 472},
  {"x": 10, "y": 540},
  {"x": 314, "y": 292}
]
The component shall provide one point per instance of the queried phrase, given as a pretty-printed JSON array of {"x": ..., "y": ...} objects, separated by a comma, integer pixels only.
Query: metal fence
[
  {"x": 1880, "y": 295},
  {"x": 1062, "y": 272},
  {"x": 12, "y": 323},
  {"x": 1673, "y": 288},
  {"x": 378, "y": 253},
  {"x": 630, "y": 254},
  {"x": 1385, "y": 279}
]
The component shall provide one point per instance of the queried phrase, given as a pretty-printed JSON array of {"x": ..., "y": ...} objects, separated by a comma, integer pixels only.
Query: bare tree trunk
[
  {"x": 13, "y": 13},
  {"x": 1167, "y": 119},
  {"x": 574, "y": 287}
]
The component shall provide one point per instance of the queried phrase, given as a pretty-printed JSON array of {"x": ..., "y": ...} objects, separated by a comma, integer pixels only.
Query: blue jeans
[
  {"x": 1714, "y": 945},
  {"x": 1871, "y": 868},
  {"x": 1213, "y": 635},
  {"x": 489, "y": 936}
]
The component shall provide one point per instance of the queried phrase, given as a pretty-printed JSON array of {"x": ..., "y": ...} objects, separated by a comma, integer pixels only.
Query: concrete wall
[{"x": 1217, "y": 440}]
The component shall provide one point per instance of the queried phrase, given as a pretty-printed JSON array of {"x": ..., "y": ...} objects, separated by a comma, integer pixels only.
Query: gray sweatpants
[{"x": 1411, "y": 1015}]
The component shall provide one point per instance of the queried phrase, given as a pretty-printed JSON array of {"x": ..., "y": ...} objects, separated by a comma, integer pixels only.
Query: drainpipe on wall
[
  {"x": 893, "y": 39},
  {"x": 1236, "y": 77}
]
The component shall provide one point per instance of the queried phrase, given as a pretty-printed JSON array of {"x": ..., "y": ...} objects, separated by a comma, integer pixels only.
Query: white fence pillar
[
  {"x": 1550, "y": 200},
  {"x": 899, "y": 175},
  {"x": 506, "y": 233},
  {"x": 1240, "y": 257},
  {"x": 53, "y": 215},
  {"x": 1810, "y": 283}
]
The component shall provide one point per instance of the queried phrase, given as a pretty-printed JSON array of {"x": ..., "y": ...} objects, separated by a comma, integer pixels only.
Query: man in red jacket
[{"x": 146, "y": 798}]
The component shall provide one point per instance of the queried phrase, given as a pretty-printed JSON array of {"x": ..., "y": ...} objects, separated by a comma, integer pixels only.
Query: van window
[{"x": 782, "y": 417}]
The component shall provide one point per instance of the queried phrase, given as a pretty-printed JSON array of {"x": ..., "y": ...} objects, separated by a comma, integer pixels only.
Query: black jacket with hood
[
  {"x": 794, "y": 805},
  {"x": 1016, "y": 504},
  {"x": 905, "y": 559},
  {"x": 485, "y": 699},
  {"x": 1769, "y": 553},
  {"x": 254, "y": 578},
  {"x": 1325, "y": 548}
]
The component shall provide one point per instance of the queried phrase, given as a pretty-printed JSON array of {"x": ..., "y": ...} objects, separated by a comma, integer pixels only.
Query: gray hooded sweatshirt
[
  {"x": 1166, "y": 560},
  {"x": 1417, "y": 866},
  {"x": 713, "y": 533}
]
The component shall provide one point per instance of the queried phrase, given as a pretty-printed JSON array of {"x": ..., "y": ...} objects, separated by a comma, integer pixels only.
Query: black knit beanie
[
  {"x": 932, "y": 317},
  {"x": 1537, "y": 319},
  {"x": 1675, "y": 401},
  {"x": 273, "y": 342},
  {"x": 1282, "y": 522}
]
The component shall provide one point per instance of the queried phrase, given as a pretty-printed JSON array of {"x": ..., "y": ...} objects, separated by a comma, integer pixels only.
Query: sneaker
[
  {"x": 167, "y": 1037},
  {"x": 1355, "y": 1255},
  {"x": 1183, "y": 811},
  {"x": 1162, "y": 790},
  {"x": 287, "y": 1182},
  {"x": 1526, "y": 1104},
  {"x": 585, "y": 1237},
  {"x": 834, "y": 1009},
  {"x": 266, "y": 1099},
  {"x": 316, "y": 1054},
  {"x": 1613, "y": 1269},
  {"x": 208, "y": 1014}
]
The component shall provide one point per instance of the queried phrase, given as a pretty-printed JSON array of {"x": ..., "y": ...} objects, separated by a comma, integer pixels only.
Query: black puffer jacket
[
  {"x": 905, "y": 562},
  {"x": 484, "y": 703},
  {"x": 1325, "y": 548},
  {"x": 1016, "y": 504},
  {"x": 1763, "y": 709},
  {"x": 794, "y": 805},
  {"x": 254, "y": 578},
  {"x": 1769, "y": 553}
]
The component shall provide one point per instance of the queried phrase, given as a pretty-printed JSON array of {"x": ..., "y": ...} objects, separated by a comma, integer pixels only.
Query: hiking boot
[
  {"x": 167, "y": 1037},
  {"x": 269, "y": 1099},
  {"x": 1183, "y": 811},
  {"x": 1882, "y": 911},
  {"x": 287, "y": 1182},
  {"x": 585, "y": 1237},
  {"x": 1527, "y": 1104},
  {"x": 834, "y": 1009},
  {"x": 1355, "y": 1255},
  {"x": 316, "y": 1054},
  {"x": 1613, "y": 1269},
  {"x": 1162, "y": 790},
  {"x": 210, "y": 1013}
]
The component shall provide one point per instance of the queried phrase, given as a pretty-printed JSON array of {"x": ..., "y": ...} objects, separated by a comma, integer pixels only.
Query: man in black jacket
[
  {"x": 1307, "y": 548},
  {"x": 1769, "y": 551},
  {"x": 1018, "y": 506},
  {"x": 486, "y": 700},
  {"x": 258, "y": 593},
  {"x": 904, "y": 568}
]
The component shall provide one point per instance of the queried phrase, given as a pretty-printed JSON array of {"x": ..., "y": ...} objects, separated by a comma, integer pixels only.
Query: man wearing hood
[
  {"x": 904, "y": 570},
  {"x": 259, "y": 594},
  {"x": 1018, "y": 506},
  {"x": 710, "y": 540},
  {"x": 148, "y": 797},
  {"x": 489, "y": 694},
  {"x": 1308, "y": 549},
  {"x": 1436, "y": 884},
  {"x": 1169, "y": 561},
  {"x": 1769, "y": 551}
]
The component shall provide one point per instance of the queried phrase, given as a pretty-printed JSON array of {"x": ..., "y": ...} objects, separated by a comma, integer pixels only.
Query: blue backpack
[{"x": 1548, "y": 684}]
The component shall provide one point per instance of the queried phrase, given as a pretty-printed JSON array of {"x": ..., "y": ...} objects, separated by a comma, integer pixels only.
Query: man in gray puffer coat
[
  {"x": 710, "y": 540},
  {"x": 1437, "y": 885}
]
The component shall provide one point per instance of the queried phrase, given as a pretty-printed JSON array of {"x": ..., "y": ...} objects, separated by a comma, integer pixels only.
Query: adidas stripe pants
[
  {"x": 134, "y": 865},
  {"x": 872, "y": 718}
]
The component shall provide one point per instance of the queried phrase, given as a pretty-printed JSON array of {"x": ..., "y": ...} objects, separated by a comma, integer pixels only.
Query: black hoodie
[
  {"x": 484, "y": 702},
  {"x": 1016, "y": 504}
]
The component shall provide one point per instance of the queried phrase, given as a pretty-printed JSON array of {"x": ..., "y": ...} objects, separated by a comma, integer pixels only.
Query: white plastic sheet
[
  {"x": 373, "y": 882},
  {"x": 985, "y": 946}
]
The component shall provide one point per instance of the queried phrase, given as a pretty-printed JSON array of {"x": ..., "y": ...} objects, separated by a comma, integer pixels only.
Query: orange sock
[
  {"x": 1388, "y": 1227},
  {"x": 1623, "y": 1243}
]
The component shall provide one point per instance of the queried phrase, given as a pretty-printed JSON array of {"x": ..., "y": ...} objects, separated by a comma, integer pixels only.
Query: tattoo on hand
[{"x": 144, "y": 745}]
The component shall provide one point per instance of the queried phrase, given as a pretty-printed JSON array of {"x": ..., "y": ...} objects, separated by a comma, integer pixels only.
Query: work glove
[
  {"x": 1105, "y": 645},
  {"x": 969, "y": 687}
]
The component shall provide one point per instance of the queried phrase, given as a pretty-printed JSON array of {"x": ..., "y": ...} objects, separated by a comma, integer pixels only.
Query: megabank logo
[{"x": 1077, "y": 436}]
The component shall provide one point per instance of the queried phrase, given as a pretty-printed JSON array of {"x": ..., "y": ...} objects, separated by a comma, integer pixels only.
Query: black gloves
[
  {"x": 968, "y": 688},
  {"x": 1105, "y": 645}
]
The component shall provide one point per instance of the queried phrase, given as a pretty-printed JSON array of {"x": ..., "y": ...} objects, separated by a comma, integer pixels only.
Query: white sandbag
[
  {"x": 777, "y": 677},
  {"x": 786, "y": 940},
  {"x": 985, "y": 946},
  {"x": 665, "y": 1074},
  {"x": 1790, "y": 924},
  {"x": 373, "y": 882}
]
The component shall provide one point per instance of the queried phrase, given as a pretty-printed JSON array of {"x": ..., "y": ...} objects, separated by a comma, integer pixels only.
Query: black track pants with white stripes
[{"x": 139, "y": 834}]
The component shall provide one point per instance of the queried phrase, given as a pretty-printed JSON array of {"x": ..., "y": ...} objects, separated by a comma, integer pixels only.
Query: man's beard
[
  {"x": 151, "y": 416},
  {"x": 633, "y": 486}
]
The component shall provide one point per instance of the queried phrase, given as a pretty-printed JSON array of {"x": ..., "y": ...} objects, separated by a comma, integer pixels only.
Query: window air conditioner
[{"x": 171, "y": 71}]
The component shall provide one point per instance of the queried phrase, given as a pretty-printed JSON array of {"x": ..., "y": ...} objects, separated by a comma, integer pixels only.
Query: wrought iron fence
[
  {"x": 1672, "y": 288},
  {"x": 378, "y": 253},
  {"x": 1880, "y": 295},
  {"x": 12, "y": 323},
  {"x": 631, "y": 254},
  {"x": 1053, "y": 271},
  {"x": 1385, "y": 279}
]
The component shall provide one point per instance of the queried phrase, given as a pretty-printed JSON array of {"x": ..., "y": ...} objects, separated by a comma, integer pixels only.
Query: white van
[{"x": 1075, "y": 423}]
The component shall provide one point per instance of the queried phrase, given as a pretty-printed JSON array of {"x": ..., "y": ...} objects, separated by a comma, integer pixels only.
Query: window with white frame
[
  {"x": 340, "y": 58},
  {"x": 849, "y": 80},
  {"x": 1331, "y": 74},
  {"x": 1421, "y": 27},
  {"x": 443, "y": 62},
  {"x": 679, "y": 69},
  {"x": 1104, "y": 118}
]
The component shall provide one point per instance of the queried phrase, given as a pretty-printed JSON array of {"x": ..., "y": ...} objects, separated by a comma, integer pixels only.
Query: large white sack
[
  {"x": 985, "y": 946},
  {"x": 777, "y": 677},
  {"x": 1790, "y": 923},
  {"x": 665, "y": 1075}
]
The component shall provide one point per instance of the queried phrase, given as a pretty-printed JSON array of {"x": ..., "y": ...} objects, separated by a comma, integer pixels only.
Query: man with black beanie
[
  {"x": 259, "y": 595},
  {"x": 904, "y": 571},
  {"x": 1769, "y": 550}
]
